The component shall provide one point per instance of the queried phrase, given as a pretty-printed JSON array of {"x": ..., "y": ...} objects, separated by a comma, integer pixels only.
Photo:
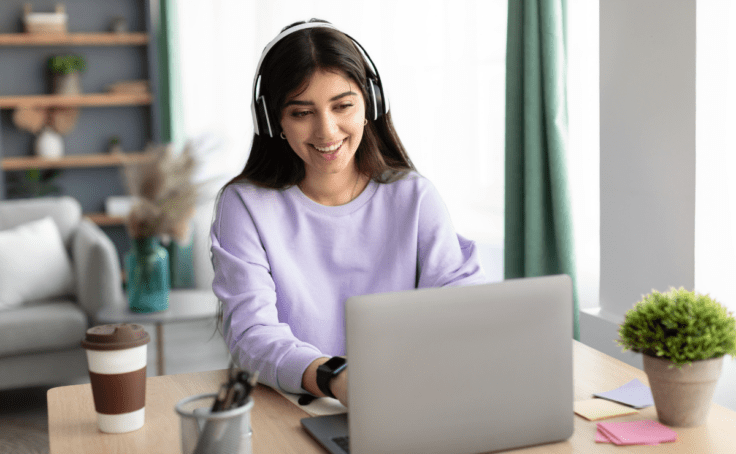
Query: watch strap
[{"x": 327, "y": 371}]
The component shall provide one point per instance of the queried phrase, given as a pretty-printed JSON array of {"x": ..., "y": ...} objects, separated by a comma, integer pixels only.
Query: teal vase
[{"x": 147, "y": 271}]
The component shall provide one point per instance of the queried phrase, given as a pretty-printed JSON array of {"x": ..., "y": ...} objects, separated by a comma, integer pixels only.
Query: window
[
  {"x": 715, "y": 191},
  {"x": 584, "y": 142}
]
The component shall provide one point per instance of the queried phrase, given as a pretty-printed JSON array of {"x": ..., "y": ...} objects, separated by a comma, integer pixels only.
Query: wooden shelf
[
  {"x": 104, "y": 220},
  {"x": 74, "y": 161},
  {"x": 73, "y": 39},
  {"x": 83, "y": 100}
]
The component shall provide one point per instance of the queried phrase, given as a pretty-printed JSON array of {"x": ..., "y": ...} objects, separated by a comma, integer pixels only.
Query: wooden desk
[{"x": 276, "y": 426}]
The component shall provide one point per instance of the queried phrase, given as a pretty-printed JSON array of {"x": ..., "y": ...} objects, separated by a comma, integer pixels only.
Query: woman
[{"x": 328, "y": 206}]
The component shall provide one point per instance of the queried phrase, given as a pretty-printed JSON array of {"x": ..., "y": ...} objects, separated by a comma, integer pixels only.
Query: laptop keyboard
[{"x": 343, "y": 442}]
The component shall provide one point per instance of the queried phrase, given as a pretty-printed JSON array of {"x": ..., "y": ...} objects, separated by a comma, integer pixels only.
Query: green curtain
[
  {"x": 181, "y": 259},
  {"x": 169, "y": 94},
  {"x": 538, "y": 226}
]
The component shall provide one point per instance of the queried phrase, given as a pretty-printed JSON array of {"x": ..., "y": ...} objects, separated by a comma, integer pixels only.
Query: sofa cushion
[
  {"x": 66, "y": 212},
  {"x": 34, "y": 264},
  {"x": 55, "y": 325},
  {"x": 97, "y": 269}
]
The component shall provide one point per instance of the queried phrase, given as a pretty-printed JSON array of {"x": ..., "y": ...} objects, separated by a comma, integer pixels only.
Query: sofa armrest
[{"x": 97, "y": 269}]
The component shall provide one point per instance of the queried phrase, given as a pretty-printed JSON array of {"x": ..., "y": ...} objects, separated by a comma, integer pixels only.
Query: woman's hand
[{"x": 339, "y": 387}]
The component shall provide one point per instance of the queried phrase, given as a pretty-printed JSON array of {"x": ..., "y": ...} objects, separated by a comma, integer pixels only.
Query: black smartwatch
[{"x": 327, "y": 371}]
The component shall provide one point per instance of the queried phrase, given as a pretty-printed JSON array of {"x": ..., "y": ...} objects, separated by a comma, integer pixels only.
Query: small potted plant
[
  {"x": 114, "y": 145},
  {"x": 683, "y": 337},
  {"x": 65, "y": 70}
]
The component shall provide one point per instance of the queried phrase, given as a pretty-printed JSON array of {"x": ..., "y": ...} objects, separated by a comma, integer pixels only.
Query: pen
[
  {"x": 234, "y": 396},
  {"x": 222, "y": 395},
  {"x": 235, "y": 391},
  {"x": 249, "y": 384}
]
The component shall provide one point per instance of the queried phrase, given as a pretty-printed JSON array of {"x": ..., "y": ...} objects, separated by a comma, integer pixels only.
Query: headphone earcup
[
  {"x": 264, "y": 124},
  {"x": 375, "y": 100}
]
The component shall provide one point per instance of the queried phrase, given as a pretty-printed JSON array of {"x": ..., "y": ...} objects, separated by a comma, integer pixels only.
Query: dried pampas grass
[{"x": 165, "y": 195}]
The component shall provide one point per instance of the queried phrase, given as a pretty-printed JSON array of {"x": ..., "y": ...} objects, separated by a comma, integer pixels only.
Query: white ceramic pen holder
[{"x": 205, "y": 432}]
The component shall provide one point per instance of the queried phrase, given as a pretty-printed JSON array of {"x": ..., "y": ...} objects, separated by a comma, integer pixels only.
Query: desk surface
[{"x": 276, "y": 426}]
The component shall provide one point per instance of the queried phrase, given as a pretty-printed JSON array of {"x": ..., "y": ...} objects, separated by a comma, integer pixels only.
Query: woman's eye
[
  {"x": 300, "y": 113},
  {"x": 345, "y": 106}
]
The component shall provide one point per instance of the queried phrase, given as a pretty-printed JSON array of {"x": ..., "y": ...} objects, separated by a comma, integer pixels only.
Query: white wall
[{"x": 647, "y": 163}]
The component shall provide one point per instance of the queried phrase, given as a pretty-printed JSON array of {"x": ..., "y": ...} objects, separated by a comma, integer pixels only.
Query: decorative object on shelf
[
  {"x": 119, "y": 206},
  {"x": 114, "y": 146},
  {"x": 31, "y": 119},
  {"x": 165, "y": 203},
  {"x": 45, "y": 22},
  {"x": 49, "y": 144},
  {"x": 66, "y": 70},
  {"x": 63, "y": 119},
  {"x": 129, "y": 86},
  {"x": 49, "y": 124},
  {"x": 683, "y": 337},
  {"x": 119, "y": 25}
]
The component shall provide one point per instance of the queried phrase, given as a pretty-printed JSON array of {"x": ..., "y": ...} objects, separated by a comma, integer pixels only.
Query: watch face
[{"x": 335, "y": 363}]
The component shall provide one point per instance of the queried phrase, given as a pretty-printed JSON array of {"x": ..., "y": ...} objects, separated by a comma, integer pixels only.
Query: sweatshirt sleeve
[
  {"x": 445, "y": 258},
  {"x": 244, "y": 285}
]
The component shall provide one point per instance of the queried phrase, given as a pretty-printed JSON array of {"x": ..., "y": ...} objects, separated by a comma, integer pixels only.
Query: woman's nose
[{"x": 326, "y": 126}]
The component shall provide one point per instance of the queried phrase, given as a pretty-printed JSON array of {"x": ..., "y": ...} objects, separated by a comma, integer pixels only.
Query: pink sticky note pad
[
  {"x": 600, "y": 437},
  {"x": 645, "y": 432}
]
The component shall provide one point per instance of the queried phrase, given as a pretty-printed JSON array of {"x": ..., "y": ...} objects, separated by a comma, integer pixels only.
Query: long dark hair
[{"x": 287, "y": 69}]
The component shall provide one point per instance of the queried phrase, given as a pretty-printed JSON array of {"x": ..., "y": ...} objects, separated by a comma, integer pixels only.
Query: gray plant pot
[
  {"x": 682, "y": 396},
  {"x": 67, "y": 84}
]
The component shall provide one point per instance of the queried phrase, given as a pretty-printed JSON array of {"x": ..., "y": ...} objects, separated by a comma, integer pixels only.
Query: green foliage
[
  {"x": 679, "y": 325},
  {"x": 65, "y": 64},
  {"x": 32, "y": 183}
]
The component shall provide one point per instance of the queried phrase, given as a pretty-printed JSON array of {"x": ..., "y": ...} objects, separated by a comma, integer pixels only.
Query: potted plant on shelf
[
  {"x": 65, "y": 70},
  {"x": 683, "y": 337},
  {"x": 114, "y": 145},
  {"x": 166, "y": 199}
]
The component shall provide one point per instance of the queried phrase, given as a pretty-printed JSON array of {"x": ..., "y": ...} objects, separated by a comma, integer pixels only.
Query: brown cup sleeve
[{"x": 115, "y": 394}]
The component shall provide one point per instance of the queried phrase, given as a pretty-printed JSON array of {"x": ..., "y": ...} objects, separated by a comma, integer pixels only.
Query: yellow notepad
[{"x": 595, "y": 409}]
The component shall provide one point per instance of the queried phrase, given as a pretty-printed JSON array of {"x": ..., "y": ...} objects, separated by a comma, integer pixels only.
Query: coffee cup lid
[{"x": 115, "y": 337}]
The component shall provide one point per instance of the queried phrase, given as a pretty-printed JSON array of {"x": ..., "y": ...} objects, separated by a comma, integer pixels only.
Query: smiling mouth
[{"x": 329, "y": 149}]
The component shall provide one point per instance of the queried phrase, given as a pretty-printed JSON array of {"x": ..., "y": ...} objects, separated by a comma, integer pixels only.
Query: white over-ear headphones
[{"x": 376, "y": 104}]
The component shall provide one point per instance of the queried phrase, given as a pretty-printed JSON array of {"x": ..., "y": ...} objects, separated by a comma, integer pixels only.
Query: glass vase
[{"x": 147, "y": 271}]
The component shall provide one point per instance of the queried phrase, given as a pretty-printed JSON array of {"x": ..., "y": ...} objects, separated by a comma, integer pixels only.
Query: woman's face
[{"x": 324, "y": 123}]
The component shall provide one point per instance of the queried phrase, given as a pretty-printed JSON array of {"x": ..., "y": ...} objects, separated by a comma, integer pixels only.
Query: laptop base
[{"x": 329, "y": 431}]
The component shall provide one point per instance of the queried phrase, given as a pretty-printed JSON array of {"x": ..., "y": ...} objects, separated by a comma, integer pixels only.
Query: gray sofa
[{"x": 40, "y": 340}]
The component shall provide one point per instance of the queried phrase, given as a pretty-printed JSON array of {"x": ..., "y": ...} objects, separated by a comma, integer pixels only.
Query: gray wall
[{"x": 647, "y": 157}]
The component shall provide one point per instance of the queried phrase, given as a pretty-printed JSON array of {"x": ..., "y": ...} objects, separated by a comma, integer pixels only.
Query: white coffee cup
[{"x": 116, "y": 357}]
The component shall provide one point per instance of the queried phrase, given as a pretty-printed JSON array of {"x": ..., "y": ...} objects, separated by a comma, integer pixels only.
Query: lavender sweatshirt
[{"x": 284, "y": 266}]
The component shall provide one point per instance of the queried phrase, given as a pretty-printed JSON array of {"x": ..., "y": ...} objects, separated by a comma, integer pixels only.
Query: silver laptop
[{"x": 456, "y": 370}]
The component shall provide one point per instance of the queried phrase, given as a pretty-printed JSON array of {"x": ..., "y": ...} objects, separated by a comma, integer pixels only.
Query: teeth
[{"x": 329, "y": 149}]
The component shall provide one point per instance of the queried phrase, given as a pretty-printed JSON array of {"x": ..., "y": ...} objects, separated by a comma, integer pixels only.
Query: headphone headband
[{"x": 378, "y": 98}]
